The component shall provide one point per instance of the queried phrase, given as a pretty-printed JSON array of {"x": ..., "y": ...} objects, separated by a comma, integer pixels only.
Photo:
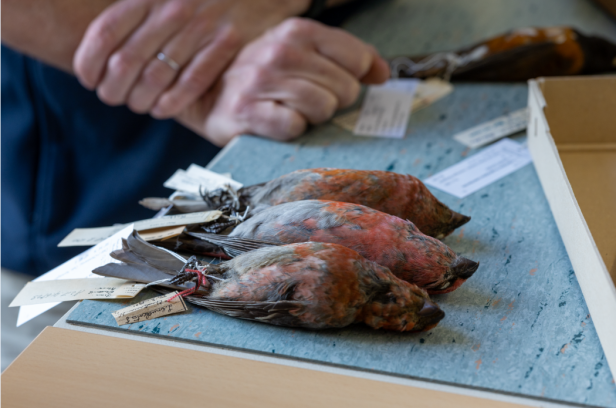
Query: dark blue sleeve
[{"x": 70, "y": 161}]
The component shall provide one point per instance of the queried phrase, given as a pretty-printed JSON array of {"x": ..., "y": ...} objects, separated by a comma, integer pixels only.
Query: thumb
[{"x": 378, "y": 71}]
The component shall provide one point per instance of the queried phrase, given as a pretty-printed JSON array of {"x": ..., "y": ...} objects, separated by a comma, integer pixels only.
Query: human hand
[
  {"x": 297, "y": 73},
  {"x": 118, "y": 54}
]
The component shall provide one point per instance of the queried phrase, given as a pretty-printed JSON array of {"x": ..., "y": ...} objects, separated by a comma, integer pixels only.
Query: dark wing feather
[
  {"x": 233, "y": 246},
  {"x": 126, "y": 256},
  {"x": 156, "y": 257},
  {"x": 139, "y": 273},
  {"x": 282, "y": 313}
]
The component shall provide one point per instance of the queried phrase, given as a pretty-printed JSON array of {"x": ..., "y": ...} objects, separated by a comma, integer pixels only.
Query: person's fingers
[
  {"x": 126, "y": 64},
  {"x": 107, "y": 32},
  {"x": 315, "y": 103},
  {"x": 287, "y": 60},
  {"x": 379, "y": 71},
  {"x": 199, "y": 75},
  {"x": 157, "y": 76},
  {"x": 339, "y": 46},
  {"x": 273, "y": 120}
]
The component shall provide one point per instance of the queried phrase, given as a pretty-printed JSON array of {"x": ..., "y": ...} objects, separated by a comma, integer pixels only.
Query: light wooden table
[{"x": 72, "y": 366}]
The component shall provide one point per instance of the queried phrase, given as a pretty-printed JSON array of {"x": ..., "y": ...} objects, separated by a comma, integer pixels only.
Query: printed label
[
  {"x": 481, "y": 169},
  {"x": 387, "y": 108}
]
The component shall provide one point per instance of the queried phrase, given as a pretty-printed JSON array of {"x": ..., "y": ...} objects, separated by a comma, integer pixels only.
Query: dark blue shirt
[{"x": 70, "y": 161}]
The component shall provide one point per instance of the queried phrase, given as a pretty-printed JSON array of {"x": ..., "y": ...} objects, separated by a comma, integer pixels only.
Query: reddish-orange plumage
[
  {"x": 397, "y": 194},
  {"x": 321, "y": 286},
  {"x": 388, "y": 240},
  {"x": 312, "y": 285}
]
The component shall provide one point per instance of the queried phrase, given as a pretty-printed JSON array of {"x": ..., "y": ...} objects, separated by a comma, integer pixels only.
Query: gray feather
[{"x": 233, "y": 246}]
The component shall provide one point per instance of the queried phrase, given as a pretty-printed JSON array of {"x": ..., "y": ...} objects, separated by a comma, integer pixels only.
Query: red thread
[{"x": 201, "y": 281}]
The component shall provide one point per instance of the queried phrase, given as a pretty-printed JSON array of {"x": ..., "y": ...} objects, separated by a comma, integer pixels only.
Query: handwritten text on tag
[
  {"x": 150, "y": 309},
  {"x": 65, "y": 290},
  {"x": 80, "y": 266}
]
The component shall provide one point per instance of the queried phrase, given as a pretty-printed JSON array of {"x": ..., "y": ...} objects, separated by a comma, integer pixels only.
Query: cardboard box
[{"x": 572, "y": 138}]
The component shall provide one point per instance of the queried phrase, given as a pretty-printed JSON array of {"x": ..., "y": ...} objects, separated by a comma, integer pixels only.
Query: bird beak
[
  {"x": 458, "y": 220},
  {"x": 464, "y": 268},
  {"x": 429, "y": 316},
  {"x": 428, "y": 309}
]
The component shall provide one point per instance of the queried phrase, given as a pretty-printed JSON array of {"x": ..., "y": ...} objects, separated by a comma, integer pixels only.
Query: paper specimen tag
[
  {"x": 161, "y": 233},
  {"x": 64, "y": 290},
  {"x": 195, "y": 177},
  {"x": 427, "y": 92},
  {"x": 92, "y": 236},
  {"x": 150, "y": 309},
  {"x": 386, "y": 109},
  {"x": 214, "y": 180},
  {"x": 493, "y": 130},
  {"x": 481, "y": 169},
  {"x": 78, "y": 267}
]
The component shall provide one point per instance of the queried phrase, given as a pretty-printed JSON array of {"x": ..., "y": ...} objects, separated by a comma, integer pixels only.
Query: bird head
[
  {"x": 432, "y": 265},
  {"x": 459, "y": 271},
  {"x": 402, "y": 307}
]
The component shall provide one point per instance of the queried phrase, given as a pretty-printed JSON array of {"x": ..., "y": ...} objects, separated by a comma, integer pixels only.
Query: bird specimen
[
  {"x": 401, "y": 195},
  {"x": 310, "y": 285},
  {"x": 385, "y": 239}
]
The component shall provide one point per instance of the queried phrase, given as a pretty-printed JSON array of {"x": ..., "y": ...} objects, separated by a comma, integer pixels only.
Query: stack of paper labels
[
  {"x": 73, "y": 280},
  {"x": 425, "y": 93}
]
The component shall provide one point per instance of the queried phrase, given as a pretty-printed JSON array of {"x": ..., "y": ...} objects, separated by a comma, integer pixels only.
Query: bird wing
[
  {"x": 141, "y": 273},
  {"x": 233, "y": 246},
  {"x": 143, "y": 262},
  {"x": 159, "y": 258},
  {"x": 281, "y": 313},
  {"x": 135, "y": 272}
]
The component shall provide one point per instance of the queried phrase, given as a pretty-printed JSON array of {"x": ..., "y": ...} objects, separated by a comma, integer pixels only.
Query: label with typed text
[
  {"x": 386, "y": 109},
  {"x": 150, "y": 309},
  {"x": 481, "y": 169},
  {"x": 493, "y": 130}
]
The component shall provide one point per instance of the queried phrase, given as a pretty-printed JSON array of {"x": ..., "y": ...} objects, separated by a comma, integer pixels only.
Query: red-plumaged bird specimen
[
  {"x": 310, "y": 285},
  {"x": 401, "y": 195},
  {"x": 397, "y": 194},
  {"x": 385, "y": 239}
]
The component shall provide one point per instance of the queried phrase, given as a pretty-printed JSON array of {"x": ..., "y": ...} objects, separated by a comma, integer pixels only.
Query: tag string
[{"x": 201, "y": 281}]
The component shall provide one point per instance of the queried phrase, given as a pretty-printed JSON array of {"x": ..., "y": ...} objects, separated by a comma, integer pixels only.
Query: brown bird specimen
[
  {"x": 397, "y": 194},
  {"x": 518, "y": 55},
  {"x": 310, "y": 285},
  {"x": 385, "y": 239}
]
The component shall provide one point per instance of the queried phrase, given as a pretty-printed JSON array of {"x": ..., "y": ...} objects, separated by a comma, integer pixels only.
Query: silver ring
[{"x": 174, "y": 65}]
